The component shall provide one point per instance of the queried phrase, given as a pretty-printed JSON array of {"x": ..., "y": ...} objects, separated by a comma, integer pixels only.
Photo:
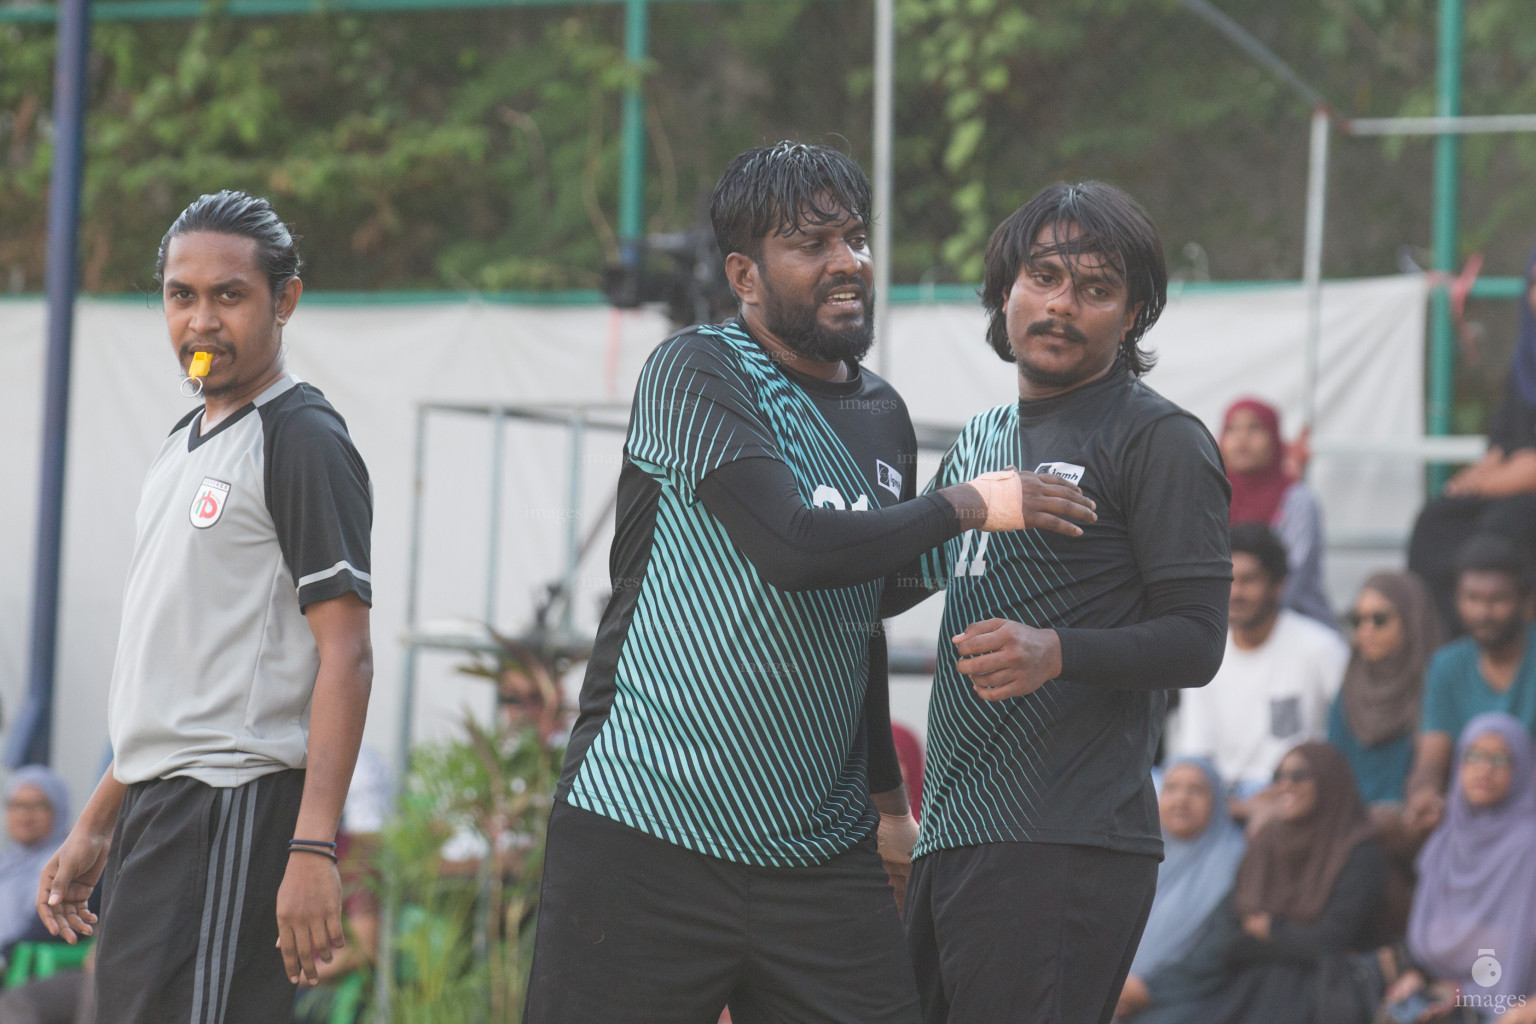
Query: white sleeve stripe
[{"x": 325, "y": 574}]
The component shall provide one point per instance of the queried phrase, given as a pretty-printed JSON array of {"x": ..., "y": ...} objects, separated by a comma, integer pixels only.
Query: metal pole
[
  {"x": 32, "y": 738},
  {"x": 1442, "y": 349},
  {"x": 1312, "y": 262},
  {"x": 885, "y": 108},
  {"x": 383, "y": 980},
  {"x": 1491, "y": 124},
  {"x": 493, "y": 538},
  {"x": 572, "y": 515},
  {"x": 412, "y": 586},
  {"x": 632, "y": 170}
]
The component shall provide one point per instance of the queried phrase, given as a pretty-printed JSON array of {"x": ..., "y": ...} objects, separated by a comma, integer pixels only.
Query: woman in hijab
[
  {"x": 36, "y": 822},
  {"x": 1274, "y": 951},
  {"x": 1396, "y": 629},
  {"x": 1263, "y": 491},
  {"x": 1375, "y": 717},
  {"x": 1477, "y": 882},
  {"x": 1202, "y": 846},
  {"x": 1496, "y": 494}
]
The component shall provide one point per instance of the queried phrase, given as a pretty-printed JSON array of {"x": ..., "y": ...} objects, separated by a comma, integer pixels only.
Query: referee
[
  {"x": 1040, "y": 842},
  {"x": 243, "y": 664},
  {"x": 713, "y": 837}
]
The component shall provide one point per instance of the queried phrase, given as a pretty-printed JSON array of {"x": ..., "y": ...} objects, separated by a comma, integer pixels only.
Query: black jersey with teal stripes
[
  {"x": 1069, "y": 763},
  {"x": 718, "y": 712}
]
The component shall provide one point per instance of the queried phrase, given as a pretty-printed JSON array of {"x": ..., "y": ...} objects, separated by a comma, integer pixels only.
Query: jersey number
[
  {"x": 968, "y": 564},
  {"x": 831, "y": 497}
]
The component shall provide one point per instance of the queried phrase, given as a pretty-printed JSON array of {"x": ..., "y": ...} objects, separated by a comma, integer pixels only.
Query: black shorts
[
  {"x": 188, "y": 926},
  {"x": 1029, "y": 933},
  {"x": 635, "y": 929}
]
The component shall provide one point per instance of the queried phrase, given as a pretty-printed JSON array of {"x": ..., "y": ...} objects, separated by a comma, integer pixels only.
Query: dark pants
[
  {"x": 189, "y": 903},
  {"x": 1445, "y": 524},
  {"x": 635, "y": 929},
  {"x": 1027, "y": 933}
]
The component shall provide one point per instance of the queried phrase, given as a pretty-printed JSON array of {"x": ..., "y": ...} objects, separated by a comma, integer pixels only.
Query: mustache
[
  {"x": 1054, "y": 327},
  {"x": 846, "y": 284}
]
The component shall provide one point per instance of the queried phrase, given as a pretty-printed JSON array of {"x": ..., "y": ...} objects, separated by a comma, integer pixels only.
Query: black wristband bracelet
[
  {"x": 317, "y": 851},
  {"x": 312, "y": 842}
]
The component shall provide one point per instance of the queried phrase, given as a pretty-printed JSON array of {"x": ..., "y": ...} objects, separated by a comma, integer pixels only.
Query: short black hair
[
  {"x": 1260, "y": 541},
  {"x": 238, "y": 213},
  {"x": 1111, "y": 224},
  {"x": 1491, "y": 552},
  {"x": 779, "y": 188}
]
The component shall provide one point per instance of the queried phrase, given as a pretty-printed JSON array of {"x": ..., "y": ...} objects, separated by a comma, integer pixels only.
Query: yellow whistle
[{"x": 200, "y": 363}]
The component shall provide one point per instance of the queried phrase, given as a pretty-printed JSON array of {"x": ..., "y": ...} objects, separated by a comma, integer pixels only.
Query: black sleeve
[
  {"x": 1355, "y": 895},
  {"x": 798, "y": 548},
  {"x": 1180, "y": 644},
  {"x": 884, "y": 766},
  {"x": 1178, "y": 502},
  {"x": 320, "y": 499}
]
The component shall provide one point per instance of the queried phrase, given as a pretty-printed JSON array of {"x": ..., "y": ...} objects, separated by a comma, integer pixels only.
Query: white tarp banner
[{"x": 376, "y": 362}]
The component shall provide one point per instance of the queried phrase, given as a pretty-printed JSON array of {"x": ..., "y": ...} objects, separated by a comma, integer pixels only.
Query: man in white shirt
[{"x": 1277, "y": 679}]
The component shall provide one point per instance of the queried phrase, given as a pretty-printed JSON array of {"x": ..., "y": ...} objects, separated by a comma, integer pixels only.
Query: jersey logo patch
[
  {"x": 208, "y": 506},
  {"x": 888, "y": 478},
  {"x": 1068, "y": 472}
]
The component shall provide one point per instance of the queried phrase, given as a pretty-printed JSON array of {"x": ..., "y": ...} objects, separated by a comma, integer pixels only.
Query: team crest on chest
[
  {"x": 209, "y": 503},
  {"x": 1068, "y": 472}
]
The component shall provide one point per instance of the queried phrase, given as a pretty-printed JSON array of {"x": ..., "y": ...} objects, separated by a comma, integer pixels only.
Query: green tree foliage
[
  {"x": 1144, "y": 94},
  {"x": 480, "y": 149}
]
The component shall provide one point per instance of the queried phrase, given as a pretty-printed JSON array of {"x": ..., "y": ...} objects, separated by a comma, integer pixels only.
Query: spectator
[
  {"x": 1276, "y": 680},
  {"x": 37, "y": 819},
  {"x": 1477, "y": 882},
  {"x": 1396, "y": 629},
  {"x": 1202, "y": 846},
  {"x": 1496, "y": 494},
  {"x": 1264, "y": 492},
  {"x": 1489, "y": 669},
  {"x": 1304, "y": 898}
]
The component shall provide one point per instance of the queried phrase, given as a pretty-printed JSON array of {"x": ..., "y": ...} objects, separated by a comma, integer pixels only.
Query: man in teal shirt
[{"x": 1491, "y": 668}]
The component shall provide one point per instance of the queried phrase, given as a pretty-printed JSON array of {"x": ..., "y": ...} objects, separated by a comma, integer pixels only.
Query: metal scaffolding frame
[
  {"x": 1442, "y": 351},
  {"x": 553, "y": 629}
]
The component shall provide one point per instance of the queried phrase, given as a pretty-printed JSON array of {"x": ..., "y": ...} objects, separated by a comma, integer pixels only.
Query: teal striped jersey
[
  {"x": 1069, "y": 763},
  {"x": 718, "y": 712}
]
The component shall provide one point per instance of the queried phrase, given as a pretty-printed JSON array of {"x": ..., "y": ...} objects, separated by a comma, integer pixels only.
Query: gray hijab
[
  {"x": 21, "y": 865},
  {"x": 1194, "y": 876}
]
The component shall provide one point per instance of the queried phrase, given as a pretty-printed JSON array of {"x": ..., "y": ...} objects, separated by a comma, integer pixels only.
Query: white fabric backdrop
[{"x": 376, "y": 362}]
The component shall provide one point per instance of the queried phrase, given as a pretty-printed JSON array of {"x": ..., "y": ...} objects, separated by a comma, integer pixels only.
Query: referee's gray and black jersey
[
  {"x": 720, "y": 713},
  {"x": 1069, "y": 763},
  {"x": 237, "y": 531}
]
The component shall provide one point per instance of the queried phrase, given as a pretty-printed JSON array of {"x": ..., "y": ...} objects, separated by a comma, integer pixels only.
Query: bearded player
[{"x": 713, "y": 838}]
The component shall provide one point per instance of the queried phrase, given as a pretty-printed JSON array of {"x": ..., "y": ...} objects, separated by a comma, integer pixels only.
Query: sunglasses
[
  {"x": 1378, "y": 619},
  {"x": 1498, "y": 762},
  {"x": 1296, "y": 776}
]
